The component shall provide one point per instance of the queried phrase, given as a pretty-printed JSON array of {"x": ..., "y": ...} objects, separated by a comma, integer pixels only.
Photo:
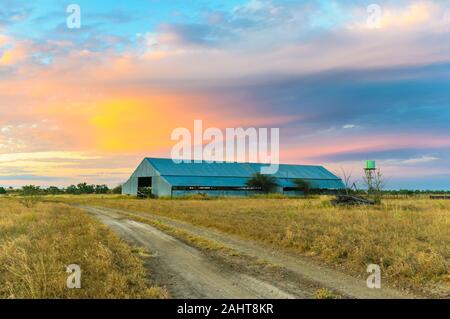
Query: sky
[{"x": 344, "y": 82}]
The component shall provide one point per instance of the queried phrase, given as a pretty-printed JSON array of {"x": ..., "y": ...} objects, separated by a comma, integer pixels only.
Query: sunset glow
[{"x": 87, "y": 104}]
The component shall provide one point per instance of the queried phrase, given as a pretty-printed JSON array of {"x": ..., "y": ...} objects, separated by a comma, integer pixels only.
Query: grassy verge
[
  {"x": 408, "y": 238},
  {"x": 39, "y": 240}
]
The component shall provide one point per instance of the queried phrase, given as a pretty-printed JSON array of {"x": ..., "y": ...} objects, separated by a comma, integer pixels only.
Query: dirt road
[
  {"x": 184, "y": 269},
  {"x": 189, "y": 273}
]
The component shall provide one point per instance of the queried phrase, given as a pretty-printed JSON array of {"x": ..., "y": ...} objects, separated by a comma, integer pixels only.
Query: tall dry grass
[
  {"x": 408, "y": 238},
  {"x": 39, "y": 240}
]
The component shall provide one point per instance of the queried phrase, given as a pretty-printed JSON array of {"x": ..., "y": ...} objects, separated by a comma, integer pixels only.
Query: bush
[
  {"x": 53, "y": 190},
  {"x": 31, "y": 190},
  {"x": 2, "y": 191},
  {"x": 117, "y": 190},
  {"x": 101, "y": 189},
  {"x": 266, "y": 183},
  {"x": 303, "y": 185},
  {"x": 84, "y": 188}
]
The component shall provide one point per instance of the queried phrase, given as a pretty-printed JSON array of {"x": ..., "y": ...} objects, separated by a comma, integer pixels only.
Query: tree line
[
  {"x": 80, "y": 189},
  {"x": 268, "y": 184},
  {"x": 265, "y": 183}
]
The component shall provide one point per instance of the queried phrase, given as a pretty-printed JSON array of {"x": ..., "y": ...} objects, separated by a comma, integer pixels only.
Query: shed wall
[
  {"x": 130, "y": 187},
  {"x": 160, "y": 187},
  {"x": 143, "y": 170},
  {"x": 215, "y": 193}
]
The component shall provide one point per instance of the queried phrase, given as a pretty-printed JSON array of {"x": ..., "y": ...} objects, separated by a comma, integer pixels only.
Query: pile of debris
[
  {"x": 351, "y": 200},
  {"x": 439, "y": 197}
]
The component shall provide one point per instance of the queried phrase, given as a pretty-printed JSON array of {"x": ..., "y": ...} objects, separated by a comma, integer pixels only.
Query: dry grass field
[
  {"x": 408, "y": 238},
  {"x": 38, "y": 240}
]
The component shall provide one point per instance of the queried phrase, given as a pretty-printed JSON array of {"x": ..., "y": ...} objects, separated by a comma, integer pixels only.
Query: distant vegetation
[
  {"x": 404, "y": 192},
  {"x": 415, "y": 192},
  {"x": 80, "y": 189},
  {"x": 266, "y": 183}
]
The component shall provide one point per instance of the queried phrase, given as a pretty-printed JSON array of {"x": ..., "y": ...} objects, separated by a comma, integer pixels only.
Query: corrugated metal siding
[
  {"x": 160, "y": 187},
  {"x": 327, "y": 184},
  {"x": 315, "y": 183},
  {"x": 241, "y": 182},
  {"x": 130, "y": 187},
  {"x": 215, "y": 193}
]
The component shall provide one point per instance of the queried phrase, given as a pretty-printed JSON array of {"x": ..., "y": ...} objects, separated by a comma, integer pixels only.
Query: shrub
[
  {"x": 266, "y": 183},
  {"x": 31, "y": 190},
  {"x": 117, "y": 190},
  {"x": 303, "y": 185}
]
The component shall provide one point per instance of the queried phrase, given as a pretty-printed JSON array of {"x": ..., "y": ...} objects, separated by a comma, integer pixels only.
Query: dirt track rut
[
  {"x": 189, "y": 274},
  {"x": 184, "y": 269}
]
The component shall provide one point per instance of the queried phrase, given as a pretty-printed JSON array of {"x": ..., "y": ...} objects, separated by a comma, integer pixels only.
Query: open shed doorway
[{"x": 144, "y": 187}]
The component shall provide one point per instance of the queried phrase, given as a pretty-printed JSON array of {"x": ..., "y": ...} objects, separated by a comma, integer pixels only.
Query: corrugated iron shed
[{"x": 220, "y": 178}]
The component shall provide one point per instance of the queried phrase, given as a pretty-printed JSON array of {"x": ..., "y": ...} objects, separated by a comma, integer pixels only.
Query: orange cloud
[
  {"x": 414, "y": 14},
  {"x": 126, "y": 122},
  {"x": 12, "y": 51},
  {"x": 131, "y": 124}
]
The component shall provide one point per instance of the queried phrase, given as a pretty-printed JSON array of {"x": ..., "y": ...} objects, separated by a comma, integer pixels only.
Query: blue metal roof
[
  {"x": 167, "y": 167},
  {"x": 206, "y": 181},
  {"x": 237, "y": 174}
]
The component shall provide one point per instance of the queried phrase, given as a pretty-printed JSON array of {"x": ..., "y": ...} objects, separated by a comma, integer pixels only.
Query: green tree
[
  {"x": 2, "y": 191},
  {"x": 72, "y": 189},
  {"x": 101, "y": 189},
  {"x": 117, "y": 190},
  {"x": 266, "y": 183},
  {"x": 84, "y": 188},
  {"x": 31, "y": 190},
  {"x": 53, "y": 190},
  {"x": 303, "y": 185}
]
